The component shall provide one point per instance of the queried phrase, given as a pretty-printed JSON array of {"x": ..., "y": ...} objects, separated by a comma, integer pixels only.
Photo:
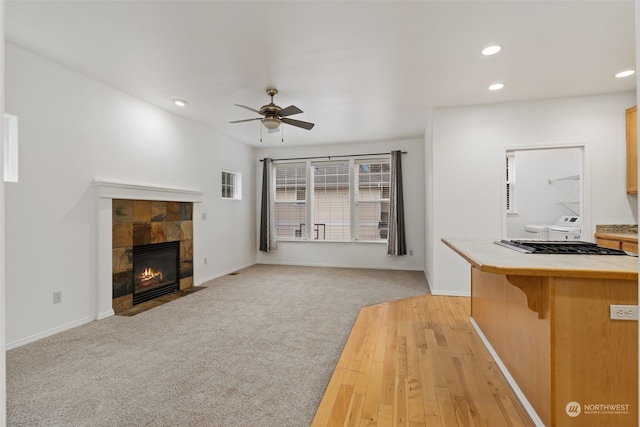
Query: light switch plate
[{"x": 623, "y": 312}]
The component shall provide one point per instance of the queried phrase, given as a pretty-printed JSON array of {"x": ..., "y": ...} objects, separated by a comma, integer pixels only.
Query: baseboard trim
[
  {"x": 217, "y": 275},
  {"x": 450, "y": 293},
  {"x": 105, "y": 314},
  {"x": 370, "y": 267},
  {"x": 512, "y": 382},
  {"x": 48, "y": 333}
]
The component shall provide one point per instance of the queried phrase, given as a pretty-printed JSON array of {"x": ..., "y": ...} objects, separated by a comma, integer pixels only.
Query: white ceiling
[{"x": 360, "y": 70}]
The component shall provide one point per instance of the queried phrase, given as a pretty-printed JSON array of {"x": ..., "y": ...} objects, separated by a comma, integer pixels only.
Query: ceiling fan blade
[
  {"x": 298, "y": 123},
  {"x": 289, "y": 111},
  {"x": 248, "y": 108},
  {"x": 246, "y": 120}
]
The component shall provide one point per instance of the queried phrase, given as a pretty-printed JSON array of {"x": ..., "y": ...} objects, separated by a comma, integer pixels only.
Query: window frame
[
  {"x": 10, "y": 147},
  {"x": 309, "y": 233},
  {"x": 358, "y": 200},
  {"x": 317, "y": 228},
  {"x": 235, "y": 186},
  {"x": 304, "y": 232}
]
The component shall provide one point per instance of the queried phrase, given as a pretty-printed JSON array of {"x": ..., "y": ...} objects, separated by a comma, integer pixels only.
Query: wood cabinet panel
[
  {"x": 517, "y": 334},
  {"x": 606, "y": 243},
  {"x": 595, "y": 357},
  {"x": 625, "y": 242},
  {"x": 632, "y": 150}
]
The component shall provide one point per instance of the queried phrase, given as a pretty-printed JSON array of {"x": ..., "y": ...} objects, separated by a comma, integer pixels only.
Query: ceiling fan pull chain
[
  {"x": 281, "y": 133},
  {"x": 260, "y": 132}
]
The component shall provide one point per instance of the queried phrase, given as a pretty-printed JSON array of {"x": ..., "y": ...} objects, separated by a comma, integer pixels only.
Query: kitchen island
[{"x": 546, "y": 320}]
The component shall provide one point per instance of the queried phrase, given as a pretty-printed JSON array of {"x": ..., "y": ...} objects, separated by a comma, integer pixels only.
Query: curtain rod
[{"x": 329, "y": 157}]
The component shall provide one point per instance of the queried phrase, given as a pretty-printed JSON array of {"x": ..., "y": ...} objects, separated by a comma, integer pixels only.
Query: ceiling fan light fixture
[
  {"x": 271, "y": 123},
  {"x": 273, "y": 115}
]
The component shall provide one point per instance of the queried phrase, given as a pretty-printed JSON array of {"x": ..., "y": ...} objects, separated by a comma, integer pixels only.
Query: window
[
  {"x": 10, "y": 147},
  {"x": 511, "y": 181},
  {"x": 231, "y": 185},
  {"x": 331, "y": 204},
  {"x": 290, "y": 200},
  {"x": 344, "y": 200},
  {"x": 371, "y": 213}
]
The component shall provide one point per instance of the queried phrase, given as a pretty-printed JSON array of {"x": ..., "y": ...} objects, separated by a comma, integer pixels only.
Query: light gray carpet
[{"x": 253, "y": 349}]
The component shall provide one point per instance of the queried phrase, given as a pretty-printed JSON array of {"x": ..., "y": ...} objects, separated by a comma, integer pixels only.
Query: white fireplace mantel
[
  {"x": 122, "y": 190},
  {"x": 106, "y": 191}
]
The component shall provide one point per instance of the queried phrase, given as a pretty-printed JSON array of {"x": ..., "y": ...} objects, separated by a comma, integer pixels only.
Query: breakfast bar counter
[
  {"x": 491, "y": 258},
  {"x": 546, "y": 320}
]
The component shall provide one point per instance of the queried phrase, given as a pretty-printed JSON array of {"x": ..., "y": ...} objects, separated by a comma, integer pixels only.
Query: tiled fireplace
[
  {"x": 167, "y": 219},
  {"x": 152, "y": 249}
]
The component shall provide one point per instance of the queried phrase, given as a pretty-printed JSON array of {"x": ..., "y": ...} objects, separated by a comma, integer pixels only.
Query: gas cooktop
[{"x": 558, "y": 248}]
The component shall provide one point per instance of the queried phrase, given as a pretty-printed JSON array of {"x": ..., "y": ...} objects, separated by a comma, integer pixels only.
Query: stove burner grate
[{"x": 558, "y": 248}]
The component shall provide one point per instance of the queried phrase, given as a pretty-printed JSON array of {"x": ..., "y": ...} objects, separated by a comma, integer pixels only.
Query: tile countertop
[{"x": 491, "y": 258}]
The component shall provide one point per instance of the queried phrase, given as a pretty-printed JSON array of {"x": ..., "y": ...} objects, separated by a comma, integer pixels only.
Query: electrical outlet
[
  {"x": 623, "y": 312},
  {"x": 204, "y": 215},
  {"x": 205, "y": 261},
  {"x": 57, "y": 297},
  {"x": 410, "y": 252}
]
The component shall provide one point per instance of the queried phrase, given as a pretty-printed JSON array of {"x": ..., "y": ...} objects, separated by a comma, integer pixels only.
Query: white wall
[
  {"x": 358, "y": 255},
  {"x": 428, "y": 199},
  {"x": 541, "y": 195},
  {"x": 3, "y": 376},
  {"x": 74, "y": 129},
  {"x": 468, "y": 168}
]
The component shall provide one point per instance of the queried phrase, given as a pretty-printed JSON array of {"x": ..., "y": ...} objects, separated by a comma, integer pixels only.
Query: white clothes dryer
[{"x": 566, "y": 228}]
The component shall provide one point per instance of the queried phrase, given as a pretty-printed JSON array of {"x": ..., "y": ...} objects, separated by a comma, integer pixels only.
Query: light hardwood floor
[{"x": 417, "y": 362}]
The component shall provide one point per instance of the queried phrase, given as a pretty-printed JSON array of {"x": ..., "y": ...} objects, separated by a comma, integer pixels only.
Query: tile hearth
[{"x": 148, "y": 305}]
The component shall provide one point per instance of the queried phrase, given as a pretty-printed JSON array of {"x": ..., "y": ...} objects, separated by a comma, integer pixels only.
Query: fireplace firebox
[{"x": 155, "y": 270}]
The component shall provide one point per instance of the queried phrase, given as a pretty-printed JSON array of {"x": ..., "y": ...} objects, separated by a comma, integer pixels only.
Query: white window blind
[
  {"x": 330, "y": 201},
  {"x": 371, "y": 213},
  {"x": 511, "y": 181},
  {"x": 290, "y": 200},
  {"x": 340, "y": 200}
]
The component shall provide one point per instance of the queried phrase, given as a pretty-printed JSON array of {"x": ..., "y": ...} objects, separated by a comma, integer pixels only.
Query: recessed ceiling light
[
  {"x": 491, "y": 50},
  {"x": 496, "y": 86},
  {"x": 625, "y": 73},
  {"x": 180, "y": 102}
]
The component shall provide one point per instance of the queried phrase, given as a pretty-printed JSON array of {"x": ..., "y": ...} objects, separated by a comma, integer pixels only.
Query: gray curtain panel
[
  {"x": 396, "y": 243},
  {"x": 267, "y": 217}
]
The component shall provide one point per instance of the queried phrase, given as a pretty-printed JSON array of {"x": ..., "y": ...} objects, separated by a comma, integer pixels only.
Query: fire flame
[{"x": 149, "y": 275}]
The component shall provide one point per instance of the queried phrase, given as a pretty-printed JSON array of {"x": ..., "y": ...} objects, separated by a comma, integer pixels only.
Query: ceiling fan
[{"x": 274, "y": 115}]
